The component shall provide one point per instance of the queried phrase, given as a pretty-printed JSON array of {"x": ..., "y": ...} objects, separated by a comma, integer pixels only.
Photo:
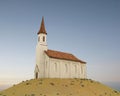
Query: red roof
[
  {"x": 62, "y": 55},
  {"x": 42, "y": 27}
]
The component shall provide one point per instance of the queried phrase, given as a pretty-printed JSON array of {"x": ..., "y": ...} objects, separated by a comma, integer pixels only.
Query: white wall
[{"x": 57, "y": 68}]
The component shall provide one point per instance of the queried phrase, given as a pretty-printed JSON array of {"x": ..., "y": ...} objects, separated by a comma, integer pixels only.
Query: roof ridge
[
  {"x": 60, "y": 51},
  {"x": 62, "y": 55}
]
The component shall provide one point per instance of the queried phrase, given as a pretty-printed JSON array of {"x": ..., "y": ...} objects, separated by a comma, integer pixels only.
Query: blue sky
[{"x": 89, "y": 29}]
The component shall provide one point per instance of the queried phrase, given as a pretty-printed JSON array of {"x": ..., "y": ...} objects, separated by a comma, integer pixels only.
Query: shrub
[
  {"x": 91, "y": 81},
  {"x": 27, "y": 83},
  {"x": 32, "y": 94},
  {"x": 66, "y": 85},
  {"x": 40, "y": 82},
  {"x": 82, "y": 85},
  {"x": 115, "y": 91},
  {"x": 41, "y": 79},
  {"x": 76, "y": 79},
  {"x": 105, "y": 93},
  {"x": 57, "y": 94},
  {"x": 52, "y": 84},
  {"x": 71, "y": 83},
  {"x": 80, "y": 81}
]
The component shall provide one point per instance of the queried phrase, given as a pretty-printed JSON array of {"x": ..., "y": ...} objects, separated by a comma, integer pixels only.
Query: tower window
[
  {"x": 38, "y": 39},
  {"x": 43, "y": 38}
]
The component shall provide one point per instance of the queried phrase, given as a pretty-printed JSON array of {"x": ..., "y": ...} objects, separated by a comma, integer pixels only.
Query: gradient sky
[{"x": 89, "y": 29}]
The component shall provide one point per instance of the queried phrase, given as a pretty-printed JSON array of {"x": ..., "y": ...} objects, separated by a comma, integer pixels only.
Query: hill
[{"x": 59, "y": 87}]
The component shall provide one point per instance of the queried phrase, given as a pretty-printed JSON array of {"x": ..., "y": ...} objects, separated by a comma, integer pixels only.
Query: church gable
[{"x": 63, "y": 55}]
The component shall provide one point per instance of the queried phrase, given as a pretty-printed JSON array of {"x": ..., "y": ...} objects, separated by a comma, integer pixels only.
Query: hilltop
[{"x": 59, "y": 87}]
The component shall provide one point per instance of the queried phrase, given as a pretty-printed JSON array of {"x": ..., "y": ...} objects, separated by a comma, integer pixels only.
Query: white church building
[{"x": 56, "y": 64}]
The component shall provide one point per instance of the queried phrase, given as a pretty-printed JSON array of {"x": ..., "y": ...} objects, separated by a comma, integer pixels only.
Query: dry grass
[{"x": 60, "y": 87}]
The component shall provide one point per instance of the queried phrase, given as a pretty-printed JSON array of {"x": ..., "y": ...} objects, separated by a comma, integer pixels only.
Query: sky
[{"x": 89, "y": 29}]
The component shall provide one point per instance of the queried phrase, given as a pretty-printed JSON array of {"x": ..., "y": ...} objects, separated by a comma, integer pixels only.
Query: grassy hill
[{"x": 59, "y": 87}]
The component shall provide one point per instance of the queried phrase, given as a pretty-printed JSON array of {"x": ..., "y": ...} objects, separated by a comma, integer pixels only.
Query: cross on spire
[{"x": 42, "y": 27}]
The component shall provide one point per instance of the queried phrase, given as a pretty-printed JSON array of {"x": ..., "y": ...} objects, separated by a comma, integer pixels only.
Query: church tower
[{"x": 41, "y": 47}]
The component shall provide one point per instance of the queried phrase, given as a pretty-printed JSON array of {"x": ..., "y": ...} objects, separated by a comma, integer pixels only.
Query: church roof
[
  {"x": 63, "y": 55},
  {"x": 42, "y": 27}
]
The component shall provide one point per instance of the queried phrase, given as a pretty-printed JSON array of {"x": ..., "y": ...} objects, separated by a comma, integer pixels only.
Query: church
[{"x": 56, "y": 64}]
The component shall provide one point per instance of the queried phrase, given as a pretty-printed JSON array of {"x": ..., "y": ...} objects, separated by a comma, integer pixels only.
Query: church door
[{"x": 36, "y": 75}]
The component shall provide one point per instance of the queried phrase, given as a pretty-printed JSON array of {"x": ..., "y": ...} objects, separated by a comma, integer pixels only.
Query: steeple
[{"x": 42, "y": 27}]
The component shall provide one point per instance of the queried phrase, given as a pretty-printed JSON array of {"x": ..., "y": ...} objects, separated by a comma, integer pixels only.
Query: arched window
[
  {"x": 81, "y": 70},
  {"x": 75, "y": 68},
  {"x": 55, "y": 67},
  {"x": 36, "y": 75},
  {"x": 46, "y": 65},
  {"x": 43, "y": 38},
  {"x": 66, "y": 68}
]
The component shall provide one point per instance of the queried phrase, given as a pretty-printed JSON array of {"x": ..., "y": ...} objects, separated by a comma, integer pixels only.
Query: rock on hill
[{"x": 59, "y": 87}]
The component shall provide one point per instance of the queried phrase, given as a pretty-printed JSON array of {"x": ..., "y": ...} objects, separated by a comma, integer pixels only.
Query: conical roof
[{"x": 42, "y": 27}]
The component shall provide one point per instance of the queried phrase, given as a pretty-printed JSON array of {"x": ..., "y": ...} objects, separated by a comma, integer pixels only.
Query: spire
[{"x": 42, "y": 27}]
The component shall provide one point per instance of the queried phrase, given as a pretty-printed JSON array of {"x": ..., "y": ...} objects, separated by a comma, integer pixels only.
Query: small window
[
  {"x": 43, "y": 38},
  {"x": 38, "y": 39}
]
